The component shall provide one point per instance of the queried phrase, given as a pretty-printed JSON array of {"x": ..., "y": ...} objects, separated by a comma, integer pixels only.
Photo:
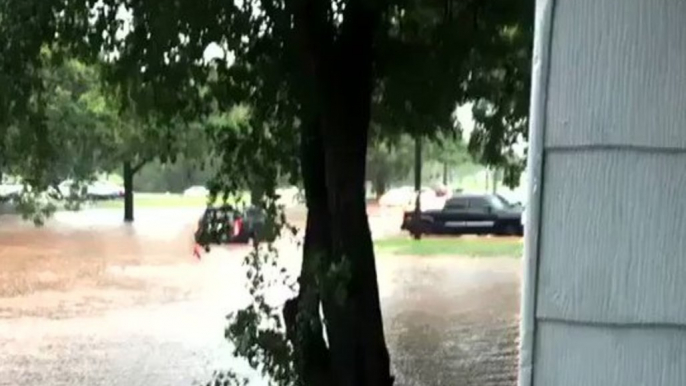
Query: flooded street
[{"x": 88, "y": 301}]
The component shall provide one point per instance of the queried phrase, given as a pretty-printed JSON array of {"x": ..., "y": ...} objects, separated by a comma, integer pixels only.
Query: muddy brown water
[{"x": 87, "y": 301}]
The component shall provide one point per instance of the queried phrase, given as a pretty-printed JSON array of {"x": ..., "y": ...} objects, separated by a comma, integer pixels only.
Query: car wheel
[{"x": 511, "y": 230}]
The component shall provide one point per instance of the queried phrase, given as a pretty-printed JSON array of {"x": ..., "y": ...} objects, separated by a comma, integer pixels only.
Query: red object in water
[
  {"x": 237, "y": 226},
  {"x": 197, "y": 250}
]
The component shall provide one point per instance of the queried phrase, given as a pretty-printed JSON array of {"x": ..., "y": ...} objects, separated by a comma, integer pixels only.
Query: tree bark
[
  {"x": 338, "y": 79},
  {"x": 313, "y": 358},
  {"x": 128, "y": 191},
  {"x": 129, "y": 173},
  {"x": 380, "y": 182},
  {"x": 354, "y": 323},
  {"x": 256, "y": 195}
]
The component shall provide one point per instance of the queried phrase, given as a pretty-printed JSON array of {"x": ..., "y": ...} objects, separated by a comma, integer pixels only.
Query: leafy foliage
[
  {"x": 289, "y": 64},
  {"x": 389, "y": 162},
  {"x": 392, "y": 161},
  {"x": 447, "y": 149},
  {"x": 175, "y": 178},
  {"x": 74, "y": 121},
  {"x": 500, "y": 90},
  {"x": 257, "y": 331},
  {"x": 85, "y": 130}
]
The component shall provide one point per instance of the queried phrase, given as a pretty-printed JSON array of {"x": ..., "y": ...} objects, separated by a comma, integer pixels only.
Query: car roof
[
  {"x": 223, "y": 208},
  {"x": 469, "y": 195}
]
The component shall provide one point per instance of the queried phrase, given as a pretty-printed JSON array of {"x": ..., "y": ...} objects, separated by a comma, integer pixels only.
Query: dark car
[
  {"x": 479, "y": 214},
  {"x": 226, "y": 224}
]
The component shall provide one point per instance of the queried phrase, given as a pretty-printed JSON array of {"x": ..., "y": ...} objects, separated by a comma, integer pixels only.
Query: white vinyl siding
[{"x": 611, "y": 279}]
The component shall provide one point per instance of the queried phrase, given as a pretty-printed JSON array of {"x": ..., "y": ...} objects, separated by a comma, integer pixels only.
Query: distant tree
[
  {"x": 175, "y": 178},
  {"x": 84, "y": 129},
  {"x": 139, "y": 141},
  {"x": 448, "y": 151},
  {"x": 389, "y": 162},
  {"x": 75, "y": 138},
  {"x": 499, "y": 87}
]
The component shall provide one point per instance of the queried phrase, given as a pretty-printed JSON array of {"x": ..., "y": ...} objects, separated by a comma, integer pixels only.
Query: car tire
[
  {"x": 243, "y": 238},
  {"x": 510, "y": 230}
]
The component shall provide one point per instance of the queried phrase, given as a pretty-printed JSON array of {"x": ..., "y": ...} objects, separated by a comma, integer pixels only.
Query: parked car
[
  {"x": 396, "y": 196},
  {"x": 13, "y": 192},
  {"x": 10, "y": 192},
  {"x": 196, "y": 191},
  {"x": 98, "y": 190},
  {"x": 468, "y": 214},
  {"x": 428, "y": 199},
  {"x": 226, "y": 224},
  {"x": 103, "y": 190},
  {"x": 406, "y": 195}
]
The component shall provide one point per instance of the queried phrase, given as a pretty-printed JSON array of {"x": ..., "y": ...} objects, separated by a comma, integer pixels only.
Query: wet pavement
[{"x": 87, "y": 301}]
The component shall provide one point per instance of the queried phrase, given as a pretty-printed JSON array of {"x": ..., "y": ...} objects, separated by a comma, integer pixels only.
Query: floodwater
[{"x": 88, "y": 301}]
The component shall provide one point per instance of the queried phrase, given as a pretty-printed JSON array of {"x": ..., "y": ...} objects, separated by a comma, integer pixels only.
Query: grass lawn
[
  {"x": 154, "y": 200},
  {"x": 458, "y": 246}
]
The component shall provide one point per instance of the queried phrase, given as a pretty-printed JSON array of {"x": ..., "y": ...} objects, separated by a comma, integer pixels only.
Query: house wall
[{"x": 608, "y": 263}]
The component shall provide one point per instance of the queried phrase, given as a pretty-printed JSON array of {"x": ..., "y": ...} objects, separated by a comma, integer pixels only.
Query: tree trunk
[
  {"x": 312, "y": 356},
  {"x": 380, "y": 182},
  {"x": 338, "y": 264},
  {"x": 445, "y": 174},
  {"x": 417, "y": 164},
  {"x": 2, "y": 158},
  {"x": 337, "y": 234},
  {"x": 128, "y": 191},
  {"x": 354, "y": 323},
  {"x": 256, "y": 195}
]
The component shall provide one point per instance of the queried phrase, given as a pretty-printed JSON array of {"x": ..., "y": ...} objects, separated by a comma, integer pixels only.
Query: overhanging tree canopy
[{"x": 315, "y": 74}]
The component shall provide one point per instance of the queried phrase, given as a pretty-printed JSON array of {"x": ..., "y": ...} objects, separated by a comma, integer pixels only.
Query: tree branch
[{"x": 137, "y": 167}]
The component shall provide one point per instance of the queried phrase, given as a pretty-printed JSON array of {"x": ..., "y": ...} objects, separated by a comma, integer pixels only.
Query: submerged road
[{"x": 86, "y": 301}]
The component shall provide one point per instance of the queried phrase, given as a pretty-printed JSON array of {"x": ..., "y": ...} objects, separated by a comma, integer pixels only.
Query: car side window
[
  {"x": 456, "y": 204},
  {"x": 479, "y": 203}
]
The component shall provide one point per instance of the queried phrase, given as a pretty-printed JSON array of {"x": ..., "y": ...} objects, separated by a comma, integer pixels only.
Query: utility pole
[
  {"x": 487, "y": 179},
  {"x": 494, "y": 185},
  {"x": 417, "y": 234},
  {"x": 445, "y": 174}
]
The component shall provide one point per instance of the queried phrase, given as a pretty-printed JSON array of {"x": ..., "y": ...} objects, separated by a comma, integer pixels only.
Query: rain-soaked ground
[{"x": 86, "y": 301}]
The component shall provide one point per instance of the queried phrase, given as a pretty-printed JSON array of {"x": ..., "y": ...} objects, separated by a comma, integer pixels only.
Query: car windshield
[{"x": 499, "y": 202}]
